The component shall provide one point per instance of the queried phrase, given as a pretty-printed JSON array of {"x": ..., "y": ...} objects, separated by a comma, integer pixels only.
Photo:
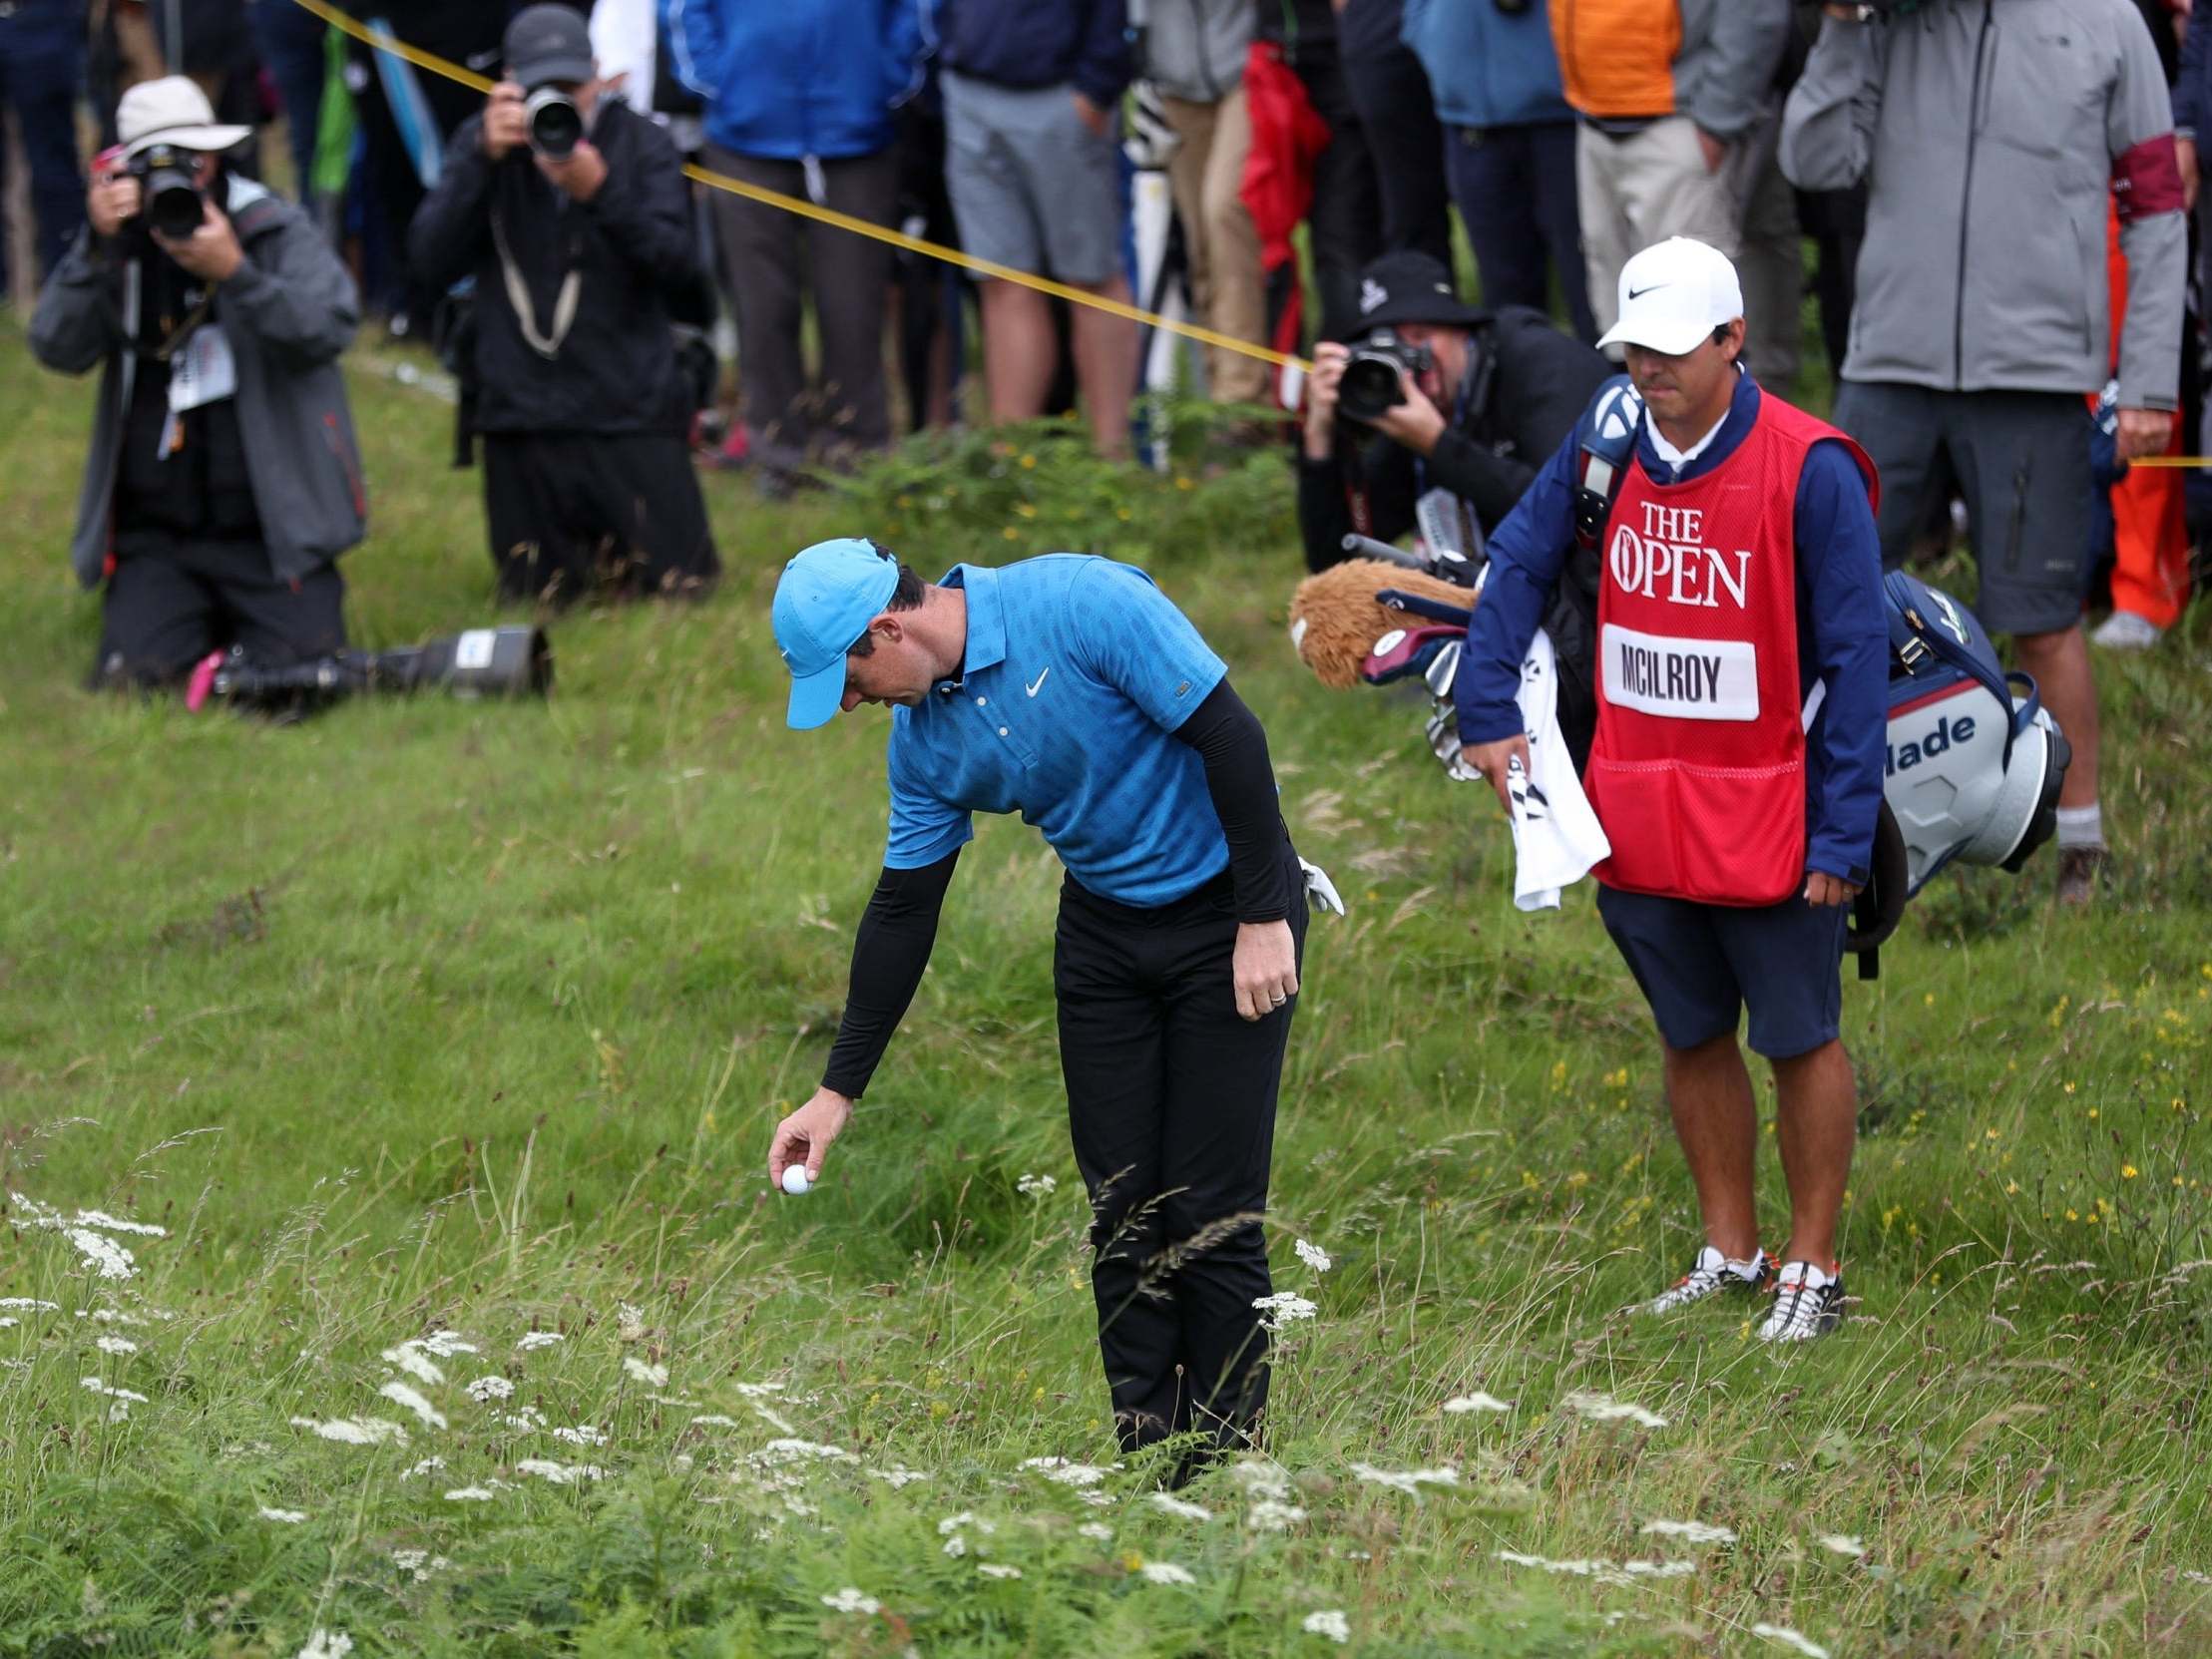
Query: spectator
[
  {"x": 1975, "y": 347},
  {"x": 1397, "y": 118},
  {"x": 1508, "y": 149},
  {"x": 289, "y": 40},
  {"x": 1030, "y": 94},
  {"x": 42, "y": 55},
  {"x": 815, "y": 122},
  {"x": 222, "y": 480},
  {"x": 1513, "y": 385},
  {"x": 1344, "y": 224},
  {"x": 2149, "y": 529},
  {"x": 1194, "y": 54},
  {"x": 1670, "y": 95},
  {"x": 582, "y": 263}
]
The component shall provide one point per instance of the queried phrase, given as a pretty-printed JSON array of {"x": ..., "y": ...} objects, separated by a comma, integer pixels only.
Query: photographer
[
  {"x": 572, "y": 215},
  {"x": 1482, "y": 398},
  {"x": 222, "y": 480}
]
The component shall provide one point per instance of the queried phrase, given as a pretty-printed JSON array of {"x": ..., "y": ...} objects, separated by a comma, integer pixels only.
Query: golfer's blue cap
[{"x": 826, "y": 599}]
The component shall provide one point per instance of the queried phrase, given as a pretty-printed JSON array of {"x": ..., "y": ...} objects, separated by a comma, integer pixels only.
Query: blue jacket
[
  {"x": 786, "y": 79},
  {"x": 1038, "y": 43},
  {"x": 1842, "y": 626},
  {"x": 1487, "y": 68}
]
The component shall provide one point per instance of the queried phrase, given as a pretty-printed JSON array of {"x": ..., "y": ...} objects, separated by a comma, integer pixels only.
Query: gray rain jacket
[
  {"x": 1992, "y": 134},
  {"x": 289, "y": 311}
]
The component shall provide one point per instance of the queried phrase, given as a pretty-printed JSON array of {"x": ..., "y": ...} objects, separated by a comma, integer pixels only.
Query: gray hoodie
[
  {"x": 1193, "y": 49},
  {"x": 289, "y": 311},
  {"x": 1992, "y": 134}
]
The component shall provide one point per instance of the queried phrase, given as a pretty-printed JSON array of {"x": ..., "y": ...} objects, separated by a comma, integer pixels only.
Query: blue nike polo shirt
[{"x": 1076, "y": 674}]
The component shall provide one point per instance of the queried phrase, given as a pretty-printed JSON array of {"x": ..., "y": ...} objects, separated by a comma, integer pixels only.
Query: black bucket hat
[{"x": 1412, "y": 287}]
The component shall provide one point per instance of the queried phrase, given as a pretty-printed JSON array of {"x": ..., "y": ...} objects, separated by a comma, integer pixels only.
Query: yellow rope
[{"x": 828, "y": 215}]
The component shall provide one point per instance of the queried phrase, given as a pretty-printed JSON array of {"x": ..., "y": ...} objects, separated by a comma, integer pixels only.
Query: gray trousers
[{"x": 776, "y": 258}]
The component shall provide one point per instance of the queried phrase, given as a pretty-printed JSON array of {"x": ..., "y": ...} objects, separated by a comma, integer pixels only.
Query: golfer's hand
[
  {"x": 1329, "y": 359},
  {"x": 804, "y": 1137},
  {"x": 1413, "y": 422},
  {"x": 1493, "y": 760},
  {"x": 1265, "y": 968},
  {"x": 2142, "y": 432},
  {"x": 211, "y": 252},
  {"x": 504, "y": 125},
  {"x": 1823, "y": 889}
]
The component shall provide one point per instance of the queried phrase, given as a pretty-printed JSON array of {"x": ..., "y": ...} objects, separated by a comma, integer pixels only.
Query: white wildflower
[
  {"x": 997, "y": 1569},
  {"x": 420, "y": 1562},
  {"x": 288, "y": 1518},
  {"x": 1789, "y": 1639},
  {"x": 1406, "y": 1480},
  {"x": 1269, "y": 1515},
  {"x": 1460, "y": 1405},
  {"x": 774, "y": 1419},
  {"x": 714, "y": 1419},
  {"x": 953, "y": 1523},
  {"x": 850, "y": 1600},
  {"x": 103, "y": 1255},
  {"x": 956, "y": 1545},
  {"x": 6, "y": 1319},
  {"x": 753, "y": 1391},
  {"x": 355, "y": 1431},
  {"x": 527, "y": 1419},
  {"x": 399, "y": 1394},
  {"x": 1168, "y": 1505},
  {"x": 531, "y": 1341},
  {"x": 326, "y": 1644},
  {"x": 113, "y": 1393},
  {"x": 1262, "y": 1477},
  {"x": 1690, "y": 1531},
  {"x": 1602, "y": 1407},
  {"x": 1843, "y": 1543},
  {"x": 1659, "y": 1569},
  {"x": 1328, "y": 1622},
  {"x": 629, "y": 1322},
  {"x": 1065, "y": 1474},
  {"x": 656, "y": 1375},
  {"x": 30, "y": 1305},
  {"x": 429, "y": 1466},
  {"x": 1097, "y": 1500},
  {"x": 409, "y": 1357},
  {"x": 485, "y": 1389},
  {"x": 584, "y": 1434},
  {"x": 469, "y": 1494},
  {"x": 798, "y": 1450},
  {"x": 115, "y": 1345},
  {"x": 1166, "y": 1572},
  {"x": 1284, "y": 1308},
  {"x": 116, "y": 1224},
  {"x": 561, "y": 1475},
  {"x": 1036, "y": 1187},
  {"x": 898, "y": 1477},
  {"x": 446, "y": 1344},
  {"x": 1096, "y": 1530},
  {"x": 1313, "y": 1256}
]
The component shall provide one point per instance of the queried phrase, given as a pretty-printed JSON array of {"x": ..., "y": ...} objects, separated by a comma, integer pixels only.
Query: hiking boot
[
  {"x": 1808, "y": 1302},
  {"x": 2081, "y": 873},
  {"x": 1710, "y": 1275}
]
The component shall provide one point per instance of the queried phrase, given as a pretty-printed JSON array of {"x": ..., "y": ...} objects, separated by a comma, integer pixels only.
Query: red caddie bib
[{"x": 1697, "y": 770}]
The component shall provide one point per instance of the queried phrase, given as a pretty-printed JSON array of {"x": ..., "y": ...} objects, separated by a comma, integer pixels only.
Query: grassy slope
[{"x": 493, "y": 1008}]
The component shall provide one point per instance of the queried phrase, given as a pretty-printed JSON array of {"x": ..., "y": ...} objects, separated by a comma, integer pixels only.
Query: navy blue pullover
[{"x": 1842, "y": 628}]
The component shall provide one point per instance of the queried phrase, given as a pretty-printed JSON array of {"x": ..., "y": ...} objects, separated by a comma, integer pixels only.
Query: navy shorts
[{"x": 1699, "y": 966}]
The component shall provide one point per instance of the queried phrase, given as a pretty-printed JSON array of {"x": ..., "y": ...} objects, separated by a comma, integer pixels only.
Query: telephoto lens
[
  {"x": 556, "y": 124},
  {"x": 171, "y": 199}
]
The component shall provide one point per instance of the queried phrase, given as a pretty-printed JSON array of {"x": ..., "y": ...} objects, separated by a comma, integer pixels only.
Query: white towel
[{"x": 1555, "y": 835}]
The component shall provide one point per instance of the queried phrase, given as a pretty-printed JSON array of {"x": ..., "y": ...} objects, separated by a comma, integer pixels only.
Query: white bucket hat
[{"x": 172, "y": 110}]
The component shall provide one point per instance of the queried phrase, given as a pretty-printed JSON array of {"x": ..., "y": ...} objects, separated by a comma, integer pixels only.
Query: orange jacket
[{"x": 1616, "y": 57}]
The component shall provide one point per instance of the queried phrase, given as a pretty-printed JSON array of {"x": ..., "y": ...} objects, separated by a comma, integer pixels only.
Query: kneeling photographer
[
  {"x": 222, "y": 480},
  {"x": 1453, "y": 409},
  {"x": 572, "y": 218}
]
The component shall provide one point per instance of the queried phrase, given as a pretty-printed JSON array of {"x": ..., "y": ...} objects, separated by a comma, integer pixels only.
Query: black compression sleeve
[
  {"x": 889, "y": 951},
  {"x": 1234, "y": 746}
]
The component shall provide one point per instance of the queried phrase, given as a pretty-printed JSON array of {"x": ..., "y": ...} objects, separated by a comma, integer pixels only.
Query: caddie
[
  {"x": 1741, "y": 688},
  {"x": 1070, "y": 689}
]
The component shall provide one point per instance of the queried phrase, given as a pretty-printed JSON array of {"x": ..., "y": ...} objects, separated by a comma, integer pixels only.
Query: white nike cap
[{"x": 1674, "y": 294}]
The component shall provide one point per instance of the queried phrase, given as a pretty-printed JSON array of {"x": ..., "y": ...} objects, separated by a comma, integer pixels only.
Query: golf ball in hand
[{"x": 794, "y": 1179}]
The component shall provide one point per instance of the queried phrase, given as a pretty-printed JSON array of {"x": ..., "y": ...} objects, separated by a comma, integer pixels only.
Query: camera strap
[{"x": 546, "y": 346}]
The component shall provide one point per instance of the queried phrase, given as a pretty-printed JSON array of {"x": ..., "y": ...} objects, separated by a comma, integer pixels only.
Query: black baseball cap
[
  {"x": 545, "y": 44},
  {"x": 1412, "y": 287}
]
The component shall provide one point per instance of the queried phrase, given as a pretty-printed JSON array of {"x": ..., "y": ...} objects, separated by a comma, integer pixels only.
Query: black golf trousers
[{"x": 1172, "y": 1106}]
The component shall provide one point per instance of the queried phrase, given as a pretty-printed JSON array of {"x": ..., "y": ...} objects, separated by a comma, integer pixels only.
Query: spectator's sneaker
[
  {"x": 1808, "y": 1302},
  {"x": 1712, "y": 1274},
  {"x": 2125, "y": 631},
  {"x": 2081, "y": 873}
]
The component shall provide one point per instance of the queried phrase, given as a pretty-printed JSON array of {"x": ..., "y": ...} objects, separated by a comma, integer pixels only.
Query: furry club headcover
[{"x": 1335, "y": 619}]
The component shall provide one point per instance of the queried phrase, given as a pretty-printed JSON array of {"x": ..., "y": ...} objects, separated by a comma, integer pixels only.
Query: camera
[
  {"x": 1373, "y": 381},
  {"x": 170, "y": 197},
  {"x": 556, "y": 124},
  {"x": 512, "y": 660}
]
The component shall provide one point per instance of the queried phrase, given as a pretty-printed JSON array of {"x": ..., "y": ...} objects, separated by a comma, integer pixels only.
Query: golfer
[
  {"x": 1070, "y": 691},
  {"x": 1743, "y": 704}
]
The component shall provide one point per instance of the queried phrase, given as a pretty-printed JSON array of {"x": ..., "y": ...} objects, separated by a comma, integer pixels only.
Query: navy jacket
[
  {"x": 2193, "y": 87},
  {"x": 786, "y": 79},
  {"x": 1038, "y": 43},
  {"x": 1842, "y": 628}
]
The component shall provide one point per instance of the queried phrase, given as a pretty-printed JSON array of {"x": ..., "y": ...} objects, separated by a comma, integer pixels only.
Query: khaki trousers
[
  {"x": 1207, "y": 174},
  {"x": 1643, "y": 188}
]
